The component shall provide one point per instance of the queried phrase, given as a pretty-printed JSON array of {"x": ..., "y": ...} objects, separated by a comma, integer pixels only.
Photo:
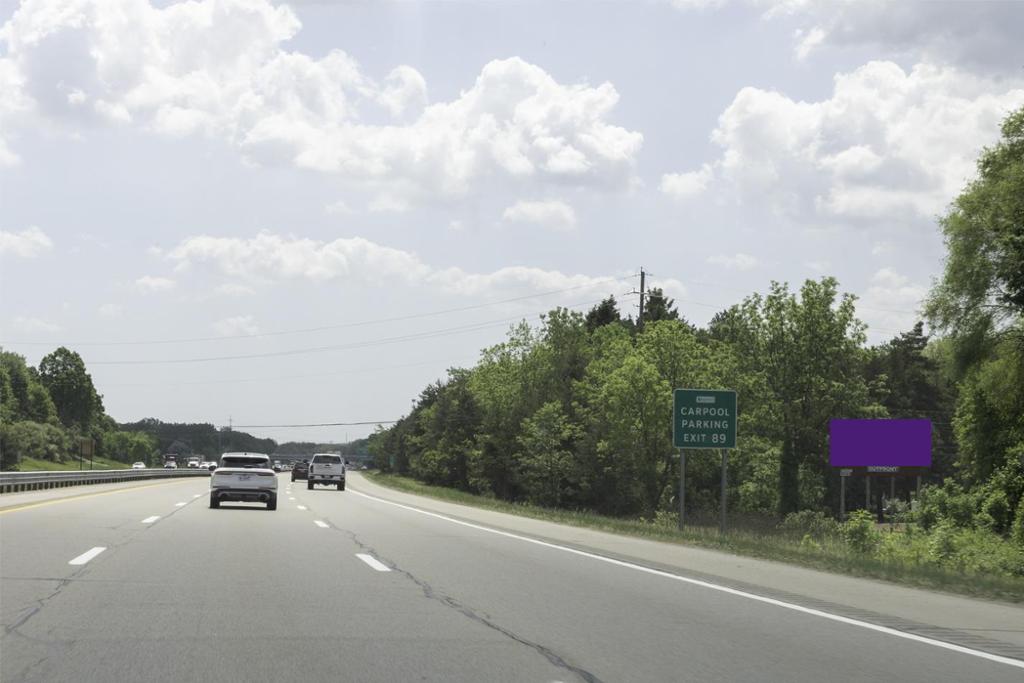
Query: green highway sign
[{"x": 703, "y": 418}]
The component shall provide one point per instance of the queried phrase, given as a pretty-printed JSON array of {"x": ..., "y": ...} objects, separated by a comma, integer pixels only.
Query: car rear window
[
  {"x": 327, "y": 460},
  {"x": 242, "y": 462}
]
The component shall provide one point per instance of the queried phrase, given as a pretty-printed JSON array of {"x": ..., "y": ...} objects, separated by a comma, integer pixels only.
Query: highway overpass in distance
[{"x": 144, "y": 582}]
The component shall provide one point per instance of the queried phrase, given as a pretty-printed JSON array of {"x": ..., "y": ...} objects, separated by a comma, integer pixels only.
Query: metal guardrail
[{"x": 11, "y": 482}]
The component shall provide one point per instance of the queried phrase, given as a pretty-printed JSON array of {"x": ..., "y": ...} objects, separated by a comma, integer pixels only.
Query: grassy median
[{"x": 910, "y": 565}]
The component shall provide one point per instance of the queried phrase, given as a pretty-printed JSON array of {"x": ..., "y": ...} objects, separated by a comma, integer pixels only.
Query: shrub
[
  {"x": 859, "y": 532},
  {"x": 942, "y": 545},
  {"x": 810, "y": 522},
  {"x": 1017, "y": 531},
  {"x": 997, "y": 508},
  {"x": 808, "y": 543}
]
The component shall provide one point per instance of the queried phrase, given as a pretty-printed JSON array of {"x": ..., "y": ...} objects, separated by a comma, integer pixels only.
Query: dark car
[{"x": 300, "y": 470}]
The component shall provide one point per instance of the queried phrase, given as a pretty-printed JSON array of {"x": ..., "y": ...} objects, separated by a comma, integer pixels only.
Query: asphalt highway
[{"x": 149, "y": 584}]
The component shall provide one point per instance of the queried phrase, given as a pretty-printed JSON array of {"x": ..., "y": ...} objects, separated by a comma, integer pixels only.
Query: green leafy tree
[
  {"x": 23, "y": 395},
  {"x": 546, "y": 459},
  {"x": 979, "y": 304},
  {"x": 604, "y": 313},
  {"x": 659, "y": 307},
  {"x": 810, "y": 350},
  {"x": 64, "y": 375},
  {"x": 27, "y": 439}
]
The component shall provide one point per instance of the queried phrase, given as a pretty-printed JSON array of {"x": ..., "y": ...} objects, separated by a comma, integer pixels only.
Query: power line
[
  {"x": 338, "y": 347},
  {"x": 361, "y": 323},
  {"x": 318, "y": 424},
  {"x": 243, "y": 380}
]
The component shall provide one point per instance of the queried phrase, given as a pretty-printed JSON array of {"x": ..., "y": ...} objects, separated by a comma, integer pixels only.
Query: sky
[{"x": 263, "y": 213}]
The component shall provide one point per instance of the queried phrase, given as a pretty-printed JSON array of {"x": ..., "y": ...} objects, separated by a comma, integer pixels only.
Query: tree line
[{"x": 576, "y": 411}]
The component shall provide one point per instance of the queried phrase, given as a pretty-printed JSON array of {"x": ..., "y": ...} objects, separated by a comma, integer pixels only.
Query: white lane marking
[
  {"x": 716, "y": 587},
  {"x": 150, "y": 520},
  {"x": 291, "y": 497},
  {"x": 87, "y": 555},
  {"x": 198, "y": 495},
  {"x": 302, "y": 507},
  {"x": 373, "y": 562},
  {"x": 319, "y": 524},
  {"x": 178, "y": 505}
]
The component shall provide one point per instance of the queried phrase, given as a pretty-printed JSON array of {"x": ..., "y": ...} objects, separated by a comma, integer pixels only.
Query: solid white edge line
[
  {"x": 150, "y": 520},
  {"x": 87, "y": 555},
  {"x": 373, "y": 562},
  {"x": 713, "y": 586},
  {"x": 320, "y": 524}
]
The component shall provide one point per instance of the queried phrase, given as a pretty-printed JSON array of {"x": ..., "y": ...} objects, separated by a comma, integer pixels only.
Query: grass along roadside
[
  {"x": 824, "y": 554},
  {"x": 35, "y": 465}
]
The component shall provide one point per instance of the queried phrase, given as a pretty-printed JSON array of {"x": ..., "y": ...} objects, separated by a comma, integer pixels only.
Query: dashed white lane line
[
  {"x": 302, "y": 507},
  {"x": 373, "y": 562},
  {"x": 291, "y": 497},
  {"x": 712, "y": 586},
  {"x": 150, "y": 520},
  {"x": 319, "y": 524},
  {"x": 198, "y": 495},
  {"x": 178, "y": 505},
  {"x": 87, "y": 555}
]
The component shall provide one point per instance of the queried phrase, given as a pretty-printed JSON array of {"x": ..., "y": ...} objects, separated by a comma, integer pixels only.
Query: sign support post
[
  {"x": 725, "y": 476},
  {"x": 867, "y": 494},
  {"x": 682, "y": 488}
]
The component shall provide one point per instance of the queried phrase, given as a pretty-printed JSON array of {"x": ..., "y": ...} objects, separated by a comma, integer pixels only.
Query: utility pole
[{"x": 643, "y": 294}]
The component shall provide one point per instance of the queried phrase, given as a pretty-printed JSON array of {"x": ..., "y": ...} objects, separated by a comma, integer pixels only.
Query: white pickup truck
[
  {"x": 326, "y": 468},
  {"x": 244, "y": 477}
]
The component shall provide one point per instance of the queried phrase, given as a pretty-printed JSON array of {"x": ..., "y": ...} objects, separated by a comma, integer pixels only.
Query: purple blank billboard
[{"x": 890, "y": 443}]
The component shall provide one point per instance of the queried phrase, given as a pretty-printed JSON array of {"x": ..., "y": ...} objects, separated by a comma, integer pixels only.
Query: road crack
[{"x": 478, "y": 616}]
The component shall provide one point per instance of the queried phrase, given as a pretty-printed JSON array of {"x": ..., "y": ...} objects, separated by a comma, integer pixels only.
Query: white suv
[{"x": 244, "y": 477}]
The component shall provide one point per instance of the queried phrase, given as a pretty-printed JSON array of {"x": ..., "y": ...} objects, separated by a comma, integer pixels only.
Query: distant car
[
  {"x": 170, "y": 465},
  {"x": 277, "y": 467},
  {"x": 300, "y": 470},
  {"x": 211, "y": 466},
  {"x": 138, "y": 465}
]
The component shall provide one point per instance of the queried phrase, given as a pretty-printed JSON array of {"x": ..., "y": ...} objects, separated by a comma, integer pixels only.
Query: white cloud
[
  {"x": 891, "y": 303},
  {"x": 551, "y": 214},
  {"x": 150, "y": 283},
  {"x": 387, "y": 203},
  {"x": 23, "y": 324},
  {"x": 887, "y": 145},
  {"x": 819, "y": 267},
  {"x": 737, "y": 261},
  {"x": 698, "y": 5},
  {"x": 234, "y": 289},
  {"x": 28, "y": 243},
  {"x": 220, "y": 68},
  {"x": 110, "y": 311},
  {"x": 981, "y": 36},
  {"x": 236, "y": 325},
  {"x": 269, "y": 257},
  {"x": 882, "y": 248},
  {"x": 686, "y": 185},
  {"x": 338, "y": 208}
]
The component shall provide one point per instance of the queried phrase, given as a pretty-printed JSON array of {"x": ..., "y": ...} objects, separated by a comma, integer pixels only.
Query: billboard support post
[
  {"x": 842, "y": 499},
  {"x": 867, "y": 494}
]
